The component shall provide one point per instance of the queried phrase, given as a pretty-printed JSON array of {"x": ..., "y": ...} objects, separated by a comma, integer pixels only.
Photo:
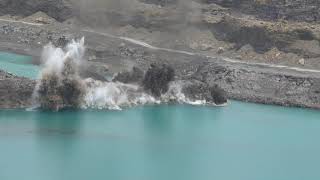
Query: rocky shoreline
[
  {"x": 266, "y": 85},
  {"x": 15, "y": 92},
  {"x": 107, "y": 54},
  {"x": 242, "y": 81}
]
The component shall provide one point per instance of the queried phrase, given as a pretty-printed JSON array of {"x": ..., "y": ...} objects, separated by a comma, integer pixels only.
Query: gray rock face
[
  {"x": 264, "y": 85},
  {"x": 298, "y": 10},
  {"x": 58, "y": 9},
  {"x": 263, "y": 36},
  {"x": 247, "y": 82}
]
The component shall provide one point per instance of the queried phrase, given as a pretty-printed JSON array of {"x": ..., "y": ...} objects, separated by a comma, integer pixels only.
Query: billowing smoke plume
[{"x": 60, "y": 85}]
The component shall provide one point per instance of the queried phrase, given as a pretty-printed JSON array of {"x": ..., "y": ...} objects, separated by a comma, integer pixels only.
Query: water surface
[
  {"x": 172, "y": 142},
  {"x": 19, "y": 65}
]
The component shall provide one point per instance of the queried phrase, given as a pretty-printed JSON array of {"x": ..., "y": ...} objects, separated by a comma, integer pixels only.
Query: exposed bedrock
[
  {"x": 263, "y": 85},
  {"x": 297, "y": 10},
  {"x": 263, "y": 36}
]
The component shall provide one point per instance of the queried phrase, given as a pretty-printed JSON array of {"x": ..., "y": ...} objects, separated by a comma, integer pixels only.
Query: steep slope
[{"x": 58, "y": 9}]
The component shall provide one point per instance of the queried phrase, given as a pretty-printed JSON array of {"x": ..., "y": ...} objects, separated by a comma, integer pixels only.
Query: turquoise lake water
[
  {"x": 239, "y": 142},
  {"x": 242, "y": 141},
  {"x": 19, "y": 65}
]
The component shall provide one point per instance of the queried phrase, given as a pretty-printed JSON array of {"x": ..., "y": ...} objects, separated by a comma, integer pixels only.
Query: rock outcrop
[
  {"x": 297, "y": 10},
  {"x": 263, "y": 36},
  {"x": 262, "y": 84}
]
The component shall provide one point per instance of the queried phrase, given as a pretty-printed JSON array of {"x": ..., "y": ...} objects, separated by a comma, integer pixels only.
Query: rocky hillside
[
  {"x": 298, "y": 10},
  {"x": 285, "y": 32},
  {"x": 58, "y": 9},
  {"x": 185, "y": 31}
]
